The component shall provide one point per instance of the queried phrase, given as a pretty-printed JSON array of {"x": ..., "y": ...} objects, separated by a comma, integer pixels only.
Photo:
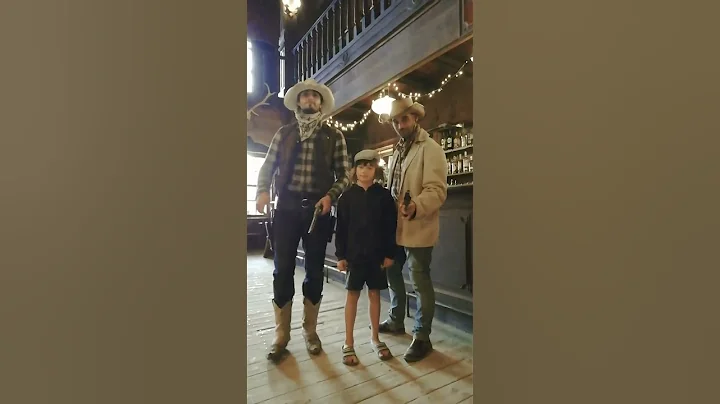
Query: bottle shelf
[
  {"x": 458, "y": 149},
  {"x": 460, "y": 186},
  {"x": 459, "y": 174}
]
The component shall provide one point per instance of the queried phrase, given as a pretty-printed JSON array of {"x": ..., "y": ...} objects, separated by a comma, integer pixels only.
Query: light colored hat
[
  {"x": 291, "y": 97},
  {"x": 367, "y": 154},
  {"x": 403, "y": 106}
]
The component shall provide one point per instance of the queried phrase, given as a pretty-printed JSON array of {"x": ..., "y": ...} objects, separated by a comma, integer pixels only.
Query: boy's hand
[
  {"x": 342, "y": 266},
  {"x": 387, "y": 263}
]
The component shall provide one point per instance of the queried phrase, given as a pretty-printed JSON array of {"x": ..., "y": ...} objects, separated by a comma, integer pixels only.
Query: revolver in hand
[
  {"x": 406, "y": 199},
  {"x": 318, "y": 212}
]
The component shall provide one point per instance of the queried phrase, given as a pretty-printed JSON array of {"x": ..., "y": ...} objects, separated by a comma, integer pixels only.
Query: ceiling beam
[
  {"x": 415, "y": 85},
  {"x": 450, "y": 63},
  {"x": 357, "y": 109}
]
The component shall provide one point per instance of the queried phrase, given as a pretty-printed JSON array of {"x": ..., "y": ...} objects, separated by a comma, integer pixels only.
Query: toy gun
[{"x": 318, "y": 212}]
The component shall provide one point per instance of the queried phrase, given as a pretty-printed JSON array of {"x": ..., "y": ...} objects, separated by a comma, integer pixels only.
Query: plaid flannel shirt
[
  {"x": 403, "y": 147},
  {"x": 302, "y": 177}
]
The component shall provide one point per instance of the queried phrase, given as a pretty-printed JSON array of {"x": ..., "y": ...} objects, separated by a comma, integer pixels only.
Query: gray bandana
[{"x": 308, "y": 123}]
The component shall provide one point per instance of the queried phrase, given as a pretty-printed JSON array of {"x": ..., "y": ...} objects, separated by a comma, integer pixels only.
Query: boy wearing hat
[
  {"x": 418, "y": 166},
  {"x": 307, "y": 163},
  {"x": 365, "y": 246}
]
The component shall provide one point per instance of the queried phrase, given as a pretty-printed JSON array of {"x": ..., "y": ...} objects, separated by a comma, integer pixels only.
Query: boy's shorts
[{"x": 361, "y": 274}]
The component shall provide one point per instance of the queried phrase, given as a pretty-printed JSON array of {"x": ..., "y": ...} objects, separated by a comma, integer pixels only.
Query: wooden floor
[{"x": 443, "y": 377}]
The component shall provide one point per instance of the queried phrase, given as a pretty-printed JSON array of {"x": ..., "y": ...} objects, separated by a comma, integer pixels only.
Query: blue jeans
[
  {"x": 418, "y": 260},
  {"x": 295, "y": 224}
]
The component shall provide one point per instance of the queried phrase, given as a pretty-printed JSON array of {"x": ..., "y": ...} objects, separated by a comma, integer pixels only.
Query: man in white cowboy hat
[
  {"x": 418, "y": 166},
  {"x": 307, "y": 164}
]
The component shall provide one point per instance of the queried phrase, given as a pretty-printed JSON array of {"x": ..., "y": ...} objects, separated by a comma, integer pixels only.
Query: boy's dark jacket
[{"x": 366, "y": 225}]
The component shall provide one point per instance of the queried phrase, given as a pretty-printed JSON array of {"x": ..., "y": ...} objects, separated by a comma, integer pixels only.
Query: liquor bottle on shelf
[
  {"x": 449, "y": 166},
  {"x": 442, "y": 141},
  {"x": 466, "y": 162},
  {"x": 470, "y": 137},
  {"x": 449, "y": 141},
  {"x": 456, "y": 140},
  {"x": 463, "y": 138},
  {"x": 454, "y": 165},
  {"x": 470, "y": 163}
]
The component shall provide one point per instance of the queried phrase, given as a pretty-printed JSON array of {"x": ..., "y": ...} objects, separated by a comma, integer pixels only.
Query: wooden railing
[{"x": 338, "y": 27}]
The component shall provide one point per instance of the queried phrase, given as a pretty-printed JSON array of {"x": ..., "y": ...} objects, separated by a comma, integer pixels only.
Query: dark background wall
[
  {"x": 264, "y": 25},
  {"x": 264, "y": 29},
  {"x": 271, "y": 32},
  {"x": 453, "y": 104}
]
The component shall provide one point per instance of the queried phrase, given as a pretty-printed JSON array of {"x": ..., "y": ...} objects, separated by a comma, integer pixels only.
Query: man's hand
[
  {"x": 342, "y": 265},
  {"x": 326, "y": 203},
  {"x": 262, "y": 201},
  {"x": 387, "y": 263},
  {"x": 408, "y": 211}
]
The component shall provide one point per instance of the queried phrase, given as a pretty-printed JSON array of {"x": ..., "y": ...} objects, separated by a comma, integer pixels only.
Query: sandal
[
  {"x": 349, "y": 356},
  {"x": 382, "y": 350}
]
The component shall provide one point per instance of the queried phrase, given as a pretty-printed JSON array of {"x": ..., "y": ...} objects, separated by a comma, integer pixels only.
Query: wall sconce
[
  {"x": 291, "y": 7},
  {"x": 382, "y": 105}
]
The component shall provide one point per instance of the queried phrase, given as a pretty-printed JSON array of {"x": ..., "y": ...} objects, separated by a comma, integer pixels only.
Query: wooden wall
[{"x": 434, "y": 30}]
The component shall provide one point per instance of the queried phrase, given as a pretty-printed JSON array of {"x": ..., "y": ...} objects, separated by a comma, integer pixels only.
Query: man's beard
[
  {"x": 309, "y": 110},
  {"x": 407, "y": 132}
]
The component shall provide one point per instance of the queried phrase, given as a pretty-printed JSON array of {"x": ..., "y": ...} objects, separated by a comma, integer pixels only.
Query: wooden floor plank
[
  {"x": 319, "y": 385},
  {"x": 302, "y": 378},
  {"x": 457, "y": 392},
  {"x": 424, "y": 385}
]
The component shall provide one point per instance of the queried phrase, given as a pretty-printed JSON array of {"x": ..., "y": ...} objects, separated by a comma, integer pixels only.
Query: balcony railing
[{"x": 340, "y": 25}]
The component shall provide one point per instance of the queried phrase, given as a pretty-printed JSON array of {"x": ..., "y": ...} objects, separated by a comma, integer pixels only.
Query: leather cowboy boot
[
  {"x": 282, "y": 331},
  {"x": 310, "y": 315}
]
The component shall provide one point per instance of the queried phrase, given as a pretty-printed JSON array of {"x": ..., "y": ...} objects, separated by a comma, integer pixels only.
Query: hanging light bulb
[
  {"x": 291, "y": 6},
  {"x": 382, "y": 105}
]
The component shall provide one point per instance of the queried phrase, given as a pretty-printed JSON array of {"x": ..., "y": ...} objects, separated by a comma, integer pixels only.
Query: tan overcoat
[{"x": 424, "y": 174}]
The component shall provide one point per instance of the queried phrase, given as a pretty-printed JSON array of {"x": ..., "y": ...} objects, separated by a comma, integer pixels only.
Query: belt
[{"x": 298, "y": 200}]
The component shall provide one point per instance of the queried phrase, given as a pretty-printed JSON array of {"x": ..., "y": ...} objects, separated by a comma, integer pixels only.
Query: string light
[
  {"x": 394, "y": 88},
  {"x": 350, "y": 125}
]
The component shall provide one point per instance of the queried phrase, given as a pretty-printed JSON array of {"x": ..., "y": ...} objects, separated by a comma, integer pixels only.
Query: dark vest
[{"x": 322, "y": 161}]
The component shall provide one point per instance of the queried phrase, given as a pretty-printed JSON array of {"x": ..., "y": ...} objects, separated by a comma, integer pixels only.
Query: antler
[{"x": 261, "y": 103}]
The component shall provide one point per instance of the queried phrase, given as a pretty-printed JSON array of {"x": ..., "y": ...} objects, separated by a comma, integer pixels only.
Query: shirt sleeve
[
  {"x": 341, "y": 231},
  {"x": 269, "y": 165},
  {"x": 341, "y": 166}
]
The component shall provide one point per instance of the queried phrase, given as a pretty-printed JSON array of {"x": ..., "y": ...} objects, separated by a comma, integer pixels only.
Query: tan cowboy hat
[
  {"x": 403, "y": 106},
  {"x": 291, "y": 97}
]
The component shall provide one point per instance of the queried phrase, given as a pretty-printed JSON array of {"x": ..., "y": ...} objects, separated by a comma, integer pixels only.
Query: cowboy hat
[
  {"x": 291, "y": 97},
  {"x": 403, "y": 106}
]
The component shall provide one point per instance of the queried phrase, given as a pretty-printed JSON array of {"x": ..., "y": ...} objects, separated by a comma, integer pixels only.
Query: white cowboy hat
[
  {"x": 291, "y": 97},
  {"x": 403, "y": 106}
]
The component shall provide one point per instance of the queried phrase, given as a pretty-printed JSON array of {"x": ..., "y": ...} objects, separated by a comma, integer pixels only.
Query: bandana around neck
[{"x": 308, "y": 123}]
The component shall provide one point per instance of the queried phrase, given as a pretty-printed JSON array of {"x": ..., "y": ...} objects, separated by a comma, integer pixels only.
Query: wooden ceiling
[{"x": 424, "y": 79}]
